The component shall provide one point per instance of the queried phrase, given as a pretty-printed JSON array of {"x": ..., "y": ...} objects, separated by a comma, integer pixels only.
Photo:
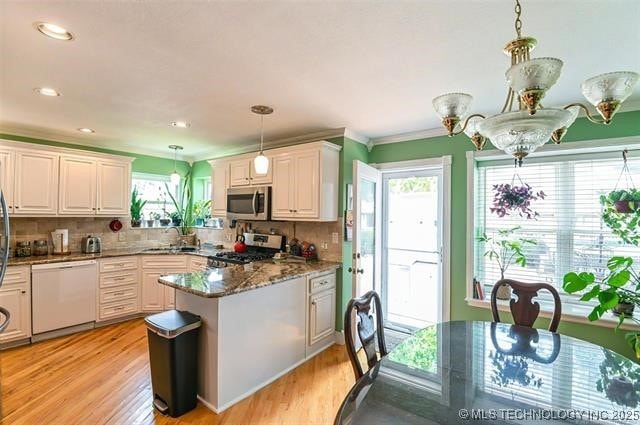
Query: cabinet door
[
  {"x": 152, "y": 291},
  {"x": 219, "y": 184},
  {"x": 6, "y": 176},
  {"x": 16, "y": 299},
  {"x": 113, "y": 188},
  {"x": 261, "y": 179},
  {"x": 77, "y": 193},
  {"x": 169, "y": 298},
  {"x": 239, "y": 173},
  {"x": 36, "y": 183},
  {"x": 307, "y": 185},
  {"x": 322, "y": 315},
  {"x": 284, "y": 184}
]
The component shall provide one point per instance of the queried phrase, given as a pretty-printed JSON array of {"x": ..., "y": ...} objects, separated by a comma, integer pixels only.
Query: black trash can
[{"x": 173, "y": 356}]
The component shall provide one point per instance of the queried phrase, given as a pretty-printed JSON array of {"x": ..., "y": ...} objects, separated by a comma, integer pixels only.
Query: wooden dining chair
[
  {"x": 524, "y": 310},
  {"x": 367, "y": 332}
]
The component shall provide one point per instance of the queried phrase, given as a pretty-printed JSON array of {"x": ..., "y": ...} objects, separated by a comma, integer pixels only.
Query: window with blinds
[{"x": 569, "y": 232}]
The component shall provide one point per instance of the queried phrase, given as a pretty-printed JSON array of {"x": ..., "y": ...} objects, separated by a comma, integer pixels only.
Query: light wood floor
[{"x": 102, "y": 377}]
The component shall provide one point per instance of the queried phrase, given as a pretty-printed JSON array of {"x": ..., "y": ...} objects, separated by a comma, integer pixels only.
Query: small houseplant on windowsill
[
  {"x": 506, "y": 249},
  {"x": 200, "y": 211},
  {"x": 619, "y": 288},
  {"x": 136, "y": 208}
]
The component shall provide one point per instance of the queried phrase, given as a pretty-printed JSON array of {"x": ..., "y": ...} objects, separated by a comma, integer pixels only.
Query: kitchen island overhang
[{"x": 256, "y": 323}]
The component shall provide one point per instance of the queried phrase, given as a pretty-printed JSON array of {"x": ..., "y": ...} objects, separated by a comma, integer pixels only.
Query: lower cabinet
[
  {"x": 321, "y": 316},
  {"x": 119, "y": 292},
  {"x": 15, "y": 296},
  {"x": 157, "y": 297}
]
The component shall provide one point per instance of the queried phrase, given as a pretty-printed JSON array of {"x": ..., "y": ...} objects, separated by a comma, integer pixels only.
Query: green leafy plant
[
  {"x": 621, "y": 213},
  {"x": 201, "y": 208},
  {"x": 137, "y": 204},
  {"x": 620, "y": 284},
  {"x": 183, "y": 205},
  {"x": 506, "y": 249},
  {"x": 155, "y": 215}
]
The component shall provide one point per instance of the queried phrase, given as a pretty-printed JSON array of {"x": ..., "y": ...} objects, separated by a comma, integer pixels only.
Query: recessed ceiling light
[
  {"x": 53, "y": 31},
  {"x": 47, "y": 91},
  {"x": 86, "y": 130},
  {"x": 180, "y": 124}
]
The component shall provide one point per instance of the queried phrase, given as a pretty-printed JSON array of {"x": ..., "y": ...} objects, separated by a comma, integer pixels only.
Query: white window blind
[
  {"x": 569, "y": 231},
  {"x": 152, "y": 188}
]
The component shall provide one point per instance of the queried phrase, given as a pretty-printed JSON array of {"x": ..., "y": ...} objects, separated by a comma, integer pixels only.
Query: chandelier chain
[{"x": 518, "y": 23}]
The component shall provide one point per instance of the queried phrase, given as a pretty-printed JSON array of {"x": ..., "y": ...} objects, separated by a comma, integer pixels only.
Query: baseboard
[
  {"x": 339, "y": 337},
  {"x": 62, "y": 332},
  {"x": 121, "y": 319},
  {"x": 13, "y": 344}
]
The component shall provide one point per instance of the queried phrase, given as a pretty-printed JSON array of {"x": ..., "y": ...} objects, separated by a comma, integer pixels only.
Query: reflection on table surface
[{"x": 495, "y": 373}]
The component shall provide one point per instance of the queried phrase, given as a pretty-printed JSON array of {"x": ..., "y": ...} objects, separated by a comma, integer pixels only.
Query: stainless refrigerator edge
[{"x": 4, "y": 256}]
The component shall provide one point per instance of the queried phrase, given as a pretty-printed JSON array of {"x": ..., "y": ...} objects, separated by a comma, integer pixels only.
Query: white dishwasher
[{"x": 63, "y": 294}]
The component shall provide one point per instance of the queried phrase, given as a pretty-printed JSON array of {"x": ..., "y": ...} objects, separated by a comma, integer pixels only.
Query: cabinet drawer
[
  {"x": 118, "y": 264},
  {"x": 118, "y": 279},
  {"x": 164, "y": 262},
  {"x": 16, "y": 275},
  {"x": 118, "y": 294},
  {"x": 320, "y": 283},
  {"x": 123, "y": 308}
]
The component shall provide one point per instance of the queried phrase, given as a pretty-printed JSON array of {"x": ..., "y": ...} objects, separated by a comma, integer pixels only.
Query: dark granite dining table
[{"x": 465, "y": 372}]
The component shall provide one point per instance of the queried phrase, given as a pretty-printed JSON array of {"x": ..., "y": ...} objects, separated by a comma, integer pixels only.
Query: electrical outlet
[
  {"x": 227, "y": 237},
  {"x": 335, "y": 238},
  {"x": 122, "y": 237},
  {"x": 324, "y": 245}
]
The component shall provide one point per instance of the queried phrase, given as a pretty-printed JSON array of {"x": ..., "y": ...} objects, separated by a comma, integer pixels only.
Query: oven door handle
[{"x": 253, "y": 203}]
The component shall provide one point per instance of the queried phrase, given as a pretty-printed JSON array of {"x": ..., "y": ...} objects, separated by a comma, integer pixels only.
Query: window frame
[
  {"x": 549, "y": 152},
  {"x": 160, "y": 178}
]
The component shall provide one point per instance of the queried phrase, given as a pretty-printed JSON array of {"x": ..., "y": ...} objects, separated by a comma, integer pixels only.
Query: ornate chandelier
[{"x": 520, "y": 132}]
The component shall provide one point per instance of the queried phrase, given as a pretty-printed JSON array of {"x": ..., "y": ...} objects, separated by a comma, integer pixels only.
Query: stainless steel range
[{"x": 260, "y": 247}]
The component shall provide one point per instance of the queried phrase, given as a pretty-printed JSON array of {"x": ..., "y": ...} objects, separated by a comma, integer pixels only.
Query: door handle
[
  {"x": 361, "y": 271},
  {"x": 253, "y": 203}
]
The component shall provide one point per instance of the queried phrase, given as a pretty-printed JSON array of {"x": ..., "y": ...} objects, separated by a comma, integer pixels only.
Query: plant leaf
[
  {"x": 595, "y": 314},
  {"x": 608, "y": 299},
  {"x": 572, "y": 282},
  {"x": 591, "y": 294},
  {"x": 619, "y": 279}
]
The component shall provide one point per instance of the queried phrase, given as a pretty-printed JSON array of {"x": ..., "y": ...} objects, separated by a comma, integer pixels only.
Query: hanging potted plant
[
  {"x": 136, "y": 208},
  {"x": 511, "y": 198},
  {"x": 506, "y": 250},
  {"x": 621, "y": 208}
]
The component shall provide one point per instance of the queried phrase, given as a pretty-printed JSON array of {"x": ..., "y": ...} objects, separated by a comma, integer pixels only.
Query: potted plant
[
  {"x": 136, "y": 208},
  {"x": 151, "y": 220},
  {"x": 201, "y": 210},
  {"x": 175, "y": 218},
  {"x": 506, "y": 250},
  {"x": 620, "y": 285},
  {"x": 511, "y": 198},
  {"x": 625, "y": 306},
  {"x": 619, "y": 380},
  {"x": 621, "y": 213},
  {"x": 184, "y": 210},
  {"x": 166, "y": 219}
]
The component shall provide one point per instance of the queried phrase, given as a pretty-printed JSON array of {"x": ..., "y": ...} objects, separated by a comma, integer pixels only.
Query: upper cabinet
[
  {"x": 47, "y": 181},
  {"x": 219, "y": 185},
  {"x": 305, "y": 183},
  {"x": 243, "y": 173},
  {"x": 36, "y": 182}
]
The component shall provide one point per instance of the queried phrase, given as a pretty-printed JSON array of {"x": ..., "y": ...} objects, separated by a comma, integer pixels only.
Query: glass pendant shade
[
  {"x": 612, "y": 86},
  {"x": 534, "y": 74},
  {"x": 518, "y": 133},
  {"x": 452, "y": 104},
  {"x": 472, "y": 126},
  {"x": 261, "y": 164},
  {"x": 175, "y": 178}
]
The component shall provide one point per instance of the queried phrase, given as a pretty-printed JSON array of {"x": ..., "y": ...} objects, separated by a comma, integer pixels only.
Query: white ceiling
[{"x": 370, "y": 66}]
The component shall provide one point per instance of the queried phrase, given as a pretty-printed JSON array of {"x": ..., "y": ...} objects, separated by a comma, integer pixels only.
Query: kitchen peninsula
[{"x": 260, "y": 321}]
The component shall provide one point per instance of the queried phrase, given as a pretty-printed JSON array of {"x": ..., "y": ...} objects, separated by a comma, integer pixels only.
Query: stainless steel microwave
[{"x": 249, "y": 203}]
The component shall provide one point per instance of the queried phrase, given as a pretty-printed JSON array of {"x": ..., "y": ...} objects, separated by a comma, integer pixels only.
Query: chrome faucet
[{"x": 180, "y": 242}]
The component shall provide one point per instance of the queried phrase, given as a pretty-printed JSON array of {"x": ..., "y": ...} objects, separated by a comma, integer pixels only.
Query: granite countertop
[
  {"x": 77, "y": 256},
  {"x": 235, "y": 279}
]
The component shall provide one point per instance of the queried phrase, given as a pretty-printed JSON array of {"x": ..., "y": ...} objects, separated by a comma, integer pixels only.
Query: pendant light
[
  {"x": 175, "y": 177},
  {"x": 261, "y": 162}
]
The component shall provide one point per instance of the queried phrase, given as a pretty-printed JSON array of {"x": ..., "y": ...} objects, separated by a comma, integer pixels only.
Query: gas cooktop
[
  {"x": 259, "y": 247},
  {"x": 243, "y": 257}
]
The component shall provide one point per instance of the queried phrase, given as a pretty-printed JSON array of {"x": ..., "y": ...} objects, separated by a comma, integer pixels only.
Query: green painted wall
[
  {"x": 624, "y": 124},
  {"x": 141, "y": 164}
]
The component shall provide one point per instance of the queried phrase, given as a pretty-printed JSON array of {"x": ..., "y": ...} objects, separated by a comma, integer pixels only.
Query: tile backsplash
[
  {"x": 312, "y": 232},
  {"x": 32, "y": 228}
]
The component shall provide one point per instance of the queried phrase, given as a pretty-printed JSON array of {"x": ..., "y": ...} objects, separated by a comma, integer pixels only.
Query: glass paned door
[{"x": 412, "y": 268}]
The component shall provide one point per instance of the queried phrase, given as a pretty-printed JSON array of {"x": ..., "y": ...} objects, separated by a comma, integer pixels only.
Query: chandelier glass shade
[{"x": 523, "y": 125}]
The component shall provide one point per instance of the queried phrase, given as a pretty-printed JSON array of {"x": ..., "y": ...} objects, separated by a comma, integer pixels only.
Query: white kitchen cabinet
[
  {"x": 15, "y": 296},
  {"x": 77, "y": 194},
  {"x": 119, "y": 288},
  {"x": 36, "y": 183},
  {"x": 157, "y": 297},
  {"x": 113, "y": 187},
  {"x": 242, "y": 173},
  {"x": 219, "y": 185},
  {"x": 321, "y": 312},
  {"x": 7, "y": 159},
  {"x": 305, "y": 182},
  {"x": 197, "y": 264}
]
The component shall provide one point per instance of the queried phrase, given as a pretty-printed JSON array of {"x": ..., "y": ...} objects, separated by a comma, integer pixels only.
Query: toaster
[{"x": 91, "y": 244}]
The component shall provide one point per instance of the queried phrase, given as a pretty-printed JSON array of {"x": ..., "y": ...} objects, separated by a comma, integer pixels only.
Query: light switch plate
[{"x": 335, "y": 237}]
